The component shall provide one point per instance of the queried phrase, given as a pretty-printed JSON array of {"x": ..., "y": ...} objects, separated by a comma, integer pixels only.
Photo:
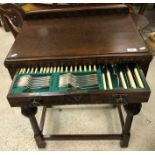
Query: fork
[
  {"x": 34, "y": 82},
  {"x": 78, "y": 81}
]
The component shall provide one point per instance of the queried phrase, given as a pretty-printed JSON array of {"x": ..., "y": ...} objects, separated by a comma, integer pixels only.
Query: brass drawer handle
[
  {"x": 120, "y": 99},
  {"x": 36, "y": 102}
]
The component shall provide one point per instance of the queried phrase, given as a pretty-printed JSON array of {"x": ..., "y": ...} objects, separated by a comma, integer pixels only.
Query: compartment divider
[
  {"x": 54, "y": 83},
  {"x": 126, "y": 76},
  {"x": 142, "y": 76},
  {"x": 100, "y": 81},
  {"x": 131, "y": 67}
]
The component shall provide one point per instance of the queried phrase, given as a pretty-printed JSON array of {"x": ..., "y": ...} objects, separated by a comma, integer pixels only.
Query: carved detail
[
  {"x": 133, "y": 109},
  {"x": 12, "y": 16},
  {"x": 29, "y": 111},
  {"x": 120, "y": 99}
]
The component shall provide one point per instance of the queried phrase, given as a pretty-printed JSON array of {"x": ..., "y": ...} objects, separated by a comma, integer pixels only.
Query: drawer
[{"x": 103, "y": 83}]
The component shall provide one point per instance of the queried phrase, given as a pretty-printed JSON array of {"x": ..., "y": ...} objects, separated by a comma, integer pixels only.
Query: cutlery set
[{"x": 113, "y": 76}]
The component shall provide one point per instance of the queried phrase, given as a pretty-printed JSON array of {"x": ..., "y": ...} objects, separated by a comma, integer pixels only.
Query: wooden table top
[{"x": 74, "y": 37}]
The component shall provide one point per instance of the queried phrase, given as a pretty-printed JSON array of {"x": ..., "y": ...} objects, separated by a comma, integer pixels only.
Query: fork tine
[{"x": 78, "y": 80}]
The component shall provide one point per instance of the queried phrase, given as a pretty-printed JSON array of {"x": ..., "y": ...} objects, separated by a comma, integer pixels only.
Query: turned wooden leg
[
  {"x": 131, "y": 110},
  {"x": 0, "y": 20},
  {"x": 30, "y": 113}
]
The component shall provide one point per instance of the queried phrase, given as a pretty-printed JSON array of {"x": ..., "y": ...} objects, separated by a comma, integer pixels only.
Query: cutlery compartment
[{"x": 113, "y": 80}]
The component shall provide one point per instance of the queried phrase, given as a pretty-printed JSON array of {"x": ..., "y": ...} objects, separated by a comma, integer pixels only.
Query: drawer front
[
  {"x": 97, "y": 97},
  {"x": 134, "y": 90}
]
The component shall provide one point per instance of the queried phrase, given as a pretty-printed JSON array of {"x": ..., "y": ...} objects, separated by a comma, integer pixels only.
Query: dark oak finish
[
  {"x": 90, "y": 40},
  {"x": 84, "y": 34},
  {"x": 59, "y": 42},
  {"x": 30, "y": 113},
  {"x": 78, "y": 9},
  {"x": 84, "y": 137},
  {"x": 131, "y": 110},
  {"x": 91, "y": 97},
  {"x": 12, "y": 17},
  {"x": 59, "y": 39}
]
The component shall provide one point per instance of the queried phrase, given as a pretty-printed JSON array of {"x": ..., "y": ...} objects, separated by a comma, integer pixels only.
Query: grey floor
[{"x": 16, "y": 132}]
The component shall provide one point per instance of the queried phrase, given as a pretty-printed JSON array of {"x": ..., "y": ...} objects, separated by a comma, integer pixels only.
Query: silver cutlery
[
  {"x": 34, "y": 82},
  {"x": 78, "y": 81}
]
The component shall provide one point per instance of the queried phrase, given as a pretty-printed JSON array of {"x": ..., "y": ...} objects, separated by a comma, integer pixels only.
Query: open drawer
[{"x": 59, "y": 85}]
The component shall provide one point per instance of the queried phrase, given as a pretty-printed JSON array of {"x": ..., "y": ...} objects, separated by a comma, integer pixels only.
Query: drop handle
[
  {"x": 120, "y": 99},
  {"x": 37, "y": 101}
]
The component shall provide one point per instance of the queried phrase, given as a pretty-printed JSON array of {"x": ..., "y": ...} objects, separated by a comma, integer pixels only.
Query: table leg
[
  {"x": 0, "y": 20},
  {"x": 131, "y": 110},
  {"x": 30, "y": 113}
]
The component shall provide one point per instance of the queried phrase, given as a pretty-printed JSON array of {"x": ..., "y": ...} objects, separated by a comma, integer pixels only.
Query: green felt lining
[{"x": 55, "y": 81}]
